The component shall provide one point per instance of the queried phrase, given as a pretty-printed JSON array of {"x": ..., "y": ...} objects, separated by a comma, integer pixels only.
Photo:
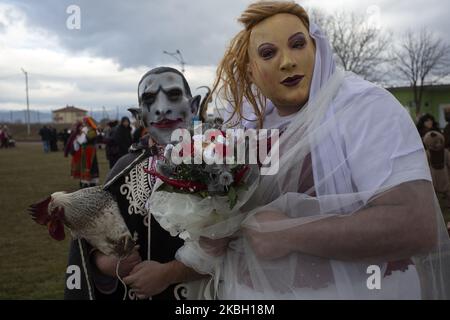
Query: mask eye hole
[
  {"x": 298, "y": 41},
  {"x": 148, "y": 99},
  {"x": 267, "y": 52},
  {"x": 174, "y": 95}
]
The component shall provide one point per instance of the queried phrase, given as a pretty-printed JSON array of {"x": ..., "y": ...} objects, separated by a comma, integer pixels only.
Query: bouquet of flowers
[{"x": 202, "y": 184}]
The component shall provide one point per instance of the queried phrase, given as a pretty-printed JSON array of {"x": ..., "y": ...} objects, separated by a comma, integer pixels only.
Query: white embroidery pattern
[{"x": 137, "y": 189}]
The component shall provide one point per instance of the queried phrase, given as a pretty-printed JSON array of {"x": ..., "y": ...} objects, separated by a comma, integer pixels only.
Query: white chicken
[{"x": 91, "y": 214}]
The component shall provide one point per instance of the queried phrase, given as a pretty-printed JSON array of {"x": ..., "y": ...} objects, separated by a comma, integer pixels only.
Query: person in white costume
[{"x": 353, "y": 189}]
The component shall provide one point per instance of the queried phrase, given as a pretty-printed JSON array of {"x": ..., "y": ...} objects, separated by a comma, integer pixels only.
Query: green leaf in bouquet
[
  {"x": 232, "y": 197},
  {"x": 203, "y": 194}
]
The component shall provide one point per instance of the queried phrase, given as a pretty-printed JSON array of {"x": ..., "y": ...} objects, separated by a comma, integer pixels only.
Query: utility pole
[
  {"x": 178, "y": 56},
  {"x": 28, "y": 102}
]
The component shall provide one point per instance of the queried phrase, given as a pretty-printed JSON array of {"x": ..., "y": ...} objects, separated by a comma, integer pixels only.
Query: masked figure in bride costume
[
  {"x": 165, "y": 104},
  {"x": 351, "y": 212}
]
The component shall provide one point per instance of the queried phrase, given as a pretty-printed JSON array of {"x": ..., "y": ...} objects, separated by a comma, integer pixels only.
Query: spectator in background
[
  {"x": 108, "y": 134},
  {"x": 72, "y": 148},
  {"x": 81, "y": 145},
  {"x": 64, "y": 136},
  {"x": 45, "y": 134},
  {"x": 8, "y": 138},
  {"x": 4, "y": 137},
  {"x": 138, "y": 132},
  {"x": 427, "y": 123},
  {"x": 100, "y": 137},
  {"x": 447, "y": 128},
  {"x": 121, "y": 141},
  {"x": 53, "y": 139}
]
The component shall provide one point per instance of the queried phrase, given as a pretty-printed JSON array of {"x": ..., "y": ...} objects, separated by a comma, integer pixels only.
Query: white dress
[
  {"x": 409, "y": 164},
  {"x": 360, "y": 143},
  {"x": 372, "y": 147}
]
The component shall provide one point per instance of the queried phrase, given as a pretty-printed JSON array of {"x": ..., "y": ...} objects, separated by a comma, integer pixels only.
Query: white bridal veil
[{"x": 365, "y": 159}]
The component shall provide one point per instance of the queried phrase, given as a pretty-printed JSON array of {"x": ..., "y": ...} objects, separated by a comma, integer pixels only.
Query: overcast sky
[{"x": 101, "y": 63}]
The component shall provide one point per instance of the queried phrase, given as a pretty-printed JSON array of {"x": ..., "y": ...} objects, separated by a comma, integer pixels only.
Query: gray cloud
[
  {"x": 136, "y": 32},
  {"x": 416, "y": 14}
]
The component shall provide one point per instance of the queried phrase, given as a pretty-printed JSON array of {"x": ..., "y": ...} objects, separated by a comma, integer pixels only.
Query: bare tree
[
  {"x": 421, "y": 59},
  {"x": 358, "y": 45}
]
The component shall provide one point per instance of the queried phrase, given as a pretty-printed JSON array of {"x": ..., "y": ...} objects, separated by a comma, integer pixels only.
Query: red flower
[
  {"x": 179, "y": 184},
  {"x": 240, "y": 174}
]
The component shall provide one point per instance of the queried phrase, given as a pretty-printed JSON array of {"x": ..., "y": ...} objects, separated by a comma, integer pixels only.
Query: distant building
[
  {"x": 435, "y": 99},
  {"x": 68, "y": 115}
]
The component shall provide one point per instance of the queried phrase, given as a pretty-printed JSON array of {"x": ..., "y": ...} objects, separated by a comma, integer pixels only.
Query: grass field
[{"x": 32, "y": 265}]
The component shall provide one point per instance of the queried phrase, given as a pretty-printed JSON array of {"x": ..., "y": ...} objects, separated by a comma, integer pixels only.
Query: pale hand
[
  {"x": 149, "y": 278},
  {"x": 269, "y": 245},
  {"x": 214, "y": 247},
  {"x": 107, "y": 264}
]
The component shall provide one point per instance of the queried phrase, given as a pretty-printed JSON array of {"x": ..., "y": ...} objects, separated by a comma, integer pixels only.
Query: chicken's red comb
[{"x": 39, "y": 211}]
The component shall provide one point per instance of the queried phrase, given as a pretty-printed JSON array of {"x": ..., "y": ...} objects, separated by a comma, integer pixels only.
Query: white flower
[
  {"x": 198, "y": 149},
  {"x": 209, "y": 153},
  {"x": 168, "y": 151},
  {"x": 198, "y": 137},
  {"x": 226, "y": 178},
  {"x": 221, "y": 139}
]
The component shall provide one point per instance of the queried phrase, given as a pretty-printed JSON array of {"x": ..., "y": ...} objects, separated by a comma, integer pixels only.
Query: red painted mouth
[
  {"x": 292, "y": 81},
  {"x": 166, "y": 123}
]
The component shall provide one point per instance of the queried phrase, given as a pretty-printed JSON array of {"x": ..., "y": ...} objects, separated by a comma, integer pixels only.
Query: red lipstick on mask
[
  {"x": 292, "y": 81},
  {"x": 166, "y": 123}
]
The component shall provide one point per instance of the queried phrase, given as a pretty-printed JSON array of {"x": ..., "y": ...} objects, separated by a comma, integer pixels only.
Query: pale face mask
[
  {"x": 165, "y": 105},
  {"x": 281, "y": 61}
]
